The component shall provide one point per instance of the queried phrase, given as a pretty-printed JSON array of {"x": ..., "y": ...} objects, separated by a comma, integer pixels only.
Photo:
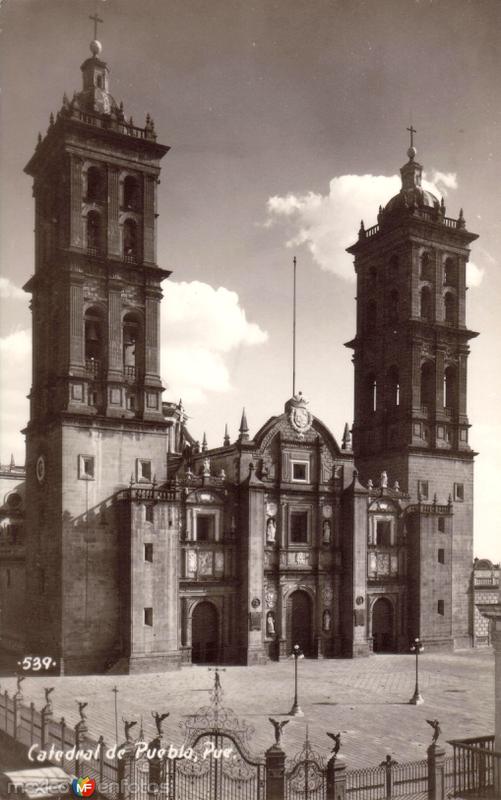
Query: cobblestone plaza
[{"x": 365, "y": 699}]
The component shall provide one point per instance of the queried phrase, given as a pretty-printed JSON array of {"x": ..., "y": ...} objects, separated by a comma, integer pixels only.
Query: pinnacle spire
[
  {"x": 346, "y": 442},
  {"x": 226, "y": 440},
  {"x": 244, "y": 428},
  {"x": 204, "y": 443}
]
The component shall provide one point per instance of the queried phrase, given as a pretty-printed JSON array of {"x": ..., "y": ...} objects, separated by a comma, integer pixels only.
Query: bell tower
[
  {"x": 410, "y": 355},
  {"x": 96, "y": 421}
]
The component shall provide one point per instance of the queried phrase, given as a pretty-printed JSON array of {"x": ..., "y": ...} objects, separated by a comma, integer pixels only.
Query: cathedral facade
[{"x": 143, "y": 550}]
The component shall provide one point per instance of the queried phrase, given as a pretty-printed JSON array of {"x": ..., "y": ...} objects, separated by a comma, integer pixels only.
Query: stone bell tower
[
  {"x": 96, "y": 420},
  {"x": 410, "y": 356}
]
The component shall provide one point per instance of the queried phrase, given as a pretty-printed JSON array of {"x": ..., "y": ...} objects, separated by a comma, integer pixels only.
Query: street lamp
[
  {"x": 296, "y": 708},
  {"x": 417, "y": 698}
]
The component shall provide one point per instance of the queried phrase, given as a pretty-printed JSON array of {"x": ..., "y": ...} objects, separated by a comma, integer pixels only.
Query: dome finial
[
  {"x": 411, "y": 152},
  {"x": 95, "y": 46}
]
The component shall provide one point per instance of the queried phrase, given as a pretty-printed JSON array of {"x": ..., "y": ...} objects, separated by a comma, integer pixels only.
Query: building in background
[
  {"x": 485, "y": 593},
  {"x": 145, "y": 550}
]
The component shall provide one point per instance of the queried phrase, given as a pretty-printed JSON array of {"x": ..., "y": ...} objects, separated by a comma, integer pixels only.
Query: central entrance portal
[
  {"x": 204, "y": 634},
  {"x": 382, "y": 626},
  {"x": 299, "y": 628}
]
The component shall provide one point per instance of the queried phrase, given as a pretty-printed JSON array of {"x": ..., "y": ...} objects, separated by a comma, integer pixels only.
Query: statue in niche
[
  {"x": 129, "y": 352},
  {"x": 192, "y": 561},
  {"x": 326, "y": 531},
  {"x": 384, "y": 480},
  {"x": 206, "y": 467},
  {"x": 270, "y": 624},
  {"x": 326, "y": 620},
  {"x": 271, "y": 530}
]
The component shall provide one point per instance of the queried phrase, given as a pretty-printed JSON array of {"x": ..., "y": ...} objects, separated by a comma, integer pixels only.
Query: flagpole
[{"x": 294, "y": 332}]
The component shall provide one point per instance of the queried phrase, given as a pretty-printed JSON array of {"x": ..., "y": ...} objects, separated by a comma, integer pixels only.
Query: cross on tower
[
  {"x": 96, "y": 20},
  {"x": 412, "y": 131}
]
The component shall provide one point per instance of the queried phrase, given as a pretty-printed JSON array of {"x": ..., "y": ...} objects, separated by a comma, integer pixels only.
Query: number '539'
[{"x": 36, "y": 663}]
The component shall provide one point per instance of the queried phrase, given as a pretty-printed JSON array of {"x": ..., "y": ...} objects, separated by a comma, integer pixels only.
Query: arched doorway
[
  {"x": 382, "y": 626},
  {"x": 299, "y": 629},
  {"x": 204, "y": 634}
]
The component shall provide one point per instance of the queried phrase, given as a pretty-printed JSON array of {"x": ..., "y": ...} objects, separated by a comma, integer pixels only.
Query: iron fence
[
  {"x": 474, "y": 769},
  {"x": 389, "y": 780},
  {"x": 366, "y": 784}
]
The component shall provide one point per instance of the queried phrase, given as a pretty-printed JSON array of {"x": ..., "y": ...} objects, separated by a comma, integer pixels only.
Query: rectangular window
[
  {"x": 148, "y": 552},
  {"x": 299, "y": 527},
  {"x": 441, "y": 524},
  {"x": 131, "y": 402},
  {"x": 300, "y": 471},
  {"x": 440, "y": 608},
  {"x": 149, "y": 513},
  {"x": 205, "y": 527},
  {"x": 143, "y": 470},
  {"x": 148, "y": 617},
  {"x": 86, "y": 468},
  {"x": 423, "y": 489},
  {"x": 441, "y": 555},
  {"x": 92, "y": 398},
  {"x": 383, "y": 533},
  {"x": 459, "y": 492}
]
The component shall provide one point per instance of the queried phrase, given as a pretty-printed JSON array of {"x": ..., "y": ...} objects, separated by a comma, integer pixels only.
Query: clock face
[{"x": 40, "y": 468}]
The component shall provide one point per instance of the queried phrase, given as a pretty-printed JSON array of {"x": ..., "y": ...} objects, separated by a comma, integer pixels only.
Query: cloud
[
  {"x": 474, "y": 274},
  {"x": 15, "y": 364},
  {"x": 440, "y": 182},
  {"x": 200, "y": 327},
  {"x": 9, "y": 291},
  {"x": 328, "y": 224}
]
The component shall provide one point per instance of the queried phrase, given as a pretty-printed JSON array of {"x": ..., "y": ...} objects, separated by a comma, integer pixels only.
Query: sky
[{"x": 287, "y": 125}]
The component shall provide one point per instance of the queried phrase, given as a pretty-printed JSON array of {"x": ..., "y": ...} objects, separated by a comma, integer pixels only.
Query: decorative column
[
  {"x": 113, "y": 228},
  {"x": 439, "y": 381},
  {"x": 436, "y": 772},
  {"x": 115, "y": 330},
  {"x": 76, "y": 221},
  {"x": 152, "y": 336},
  {"x": 126, "y": 769},
  {"x": 336, "y": 778},
  {"x": 18, "y": 702},
  {"x": 149, "y": 219},
  {"x": 46, "y": 718},
  {"x": 81, "y": 732},
  {"x": 157, "y": 766},
  {"x": 76, "y": 322},
  {"x": 275, "y": 773}
]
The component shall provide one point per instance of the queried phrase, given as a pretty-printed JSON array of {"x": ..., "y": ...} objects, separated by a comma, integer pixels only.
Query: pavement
[{"x": 366, "y": 699}]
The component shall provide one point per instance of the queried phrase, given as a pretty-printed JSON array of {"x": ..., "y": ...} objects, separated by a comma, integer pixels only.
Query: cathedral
[{"x": 126, "y": 546}]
